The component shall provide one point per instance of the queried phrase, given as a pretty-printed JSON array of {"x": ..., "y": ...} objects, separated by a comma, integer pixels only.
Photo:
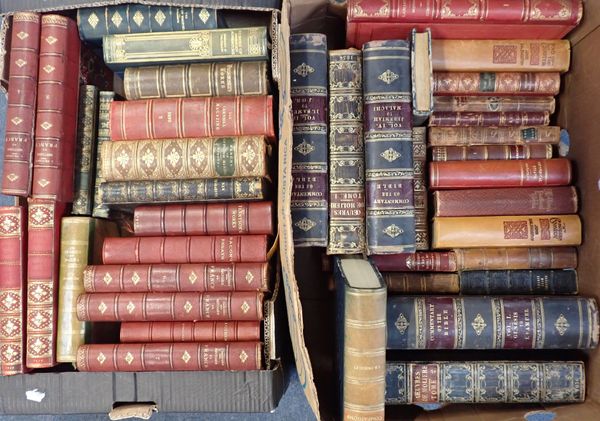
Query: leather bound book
[
  {"x": 420, "y": 188},
  {"x": 495, "y": 119},
  {"x": 490, "y": 83},
  {"x": 491, "y": 152},
  {"x": 346, "y": 154},
  {"x": 310, "y": 189},
  {"x": 388, "y": 147},
  {"x": 196, "y": 79},
  {"x": 510, "y": 201},
  {"x": 499, "y": 173},
  {"x": 192, "y": 117},
  {"x": 422, "y": 283},
  {"x": 186, "y": 356},
  {"x": 484, "y": 322},
  {"x": 185, "y": 249},
  {"x": 200, "y": 277},
  {"x": 204, "y": 219},
  {"x": 13, "y": 272},
  {"x": 465, "y": 136},
  {"x": 506, "y": 231},
  {"x": 518, "y": 282},
  {"x": 170, "y": 307},
  {"x": 421, "y": 261},
  {"x": 516, "y": 258},
  {"x": 43, "y": 256},
  {"x": 494, "y": 103},
  {"x": 21, "y": 106},
  {"x": 144, "y": 332},
  {"x": 484, "y": 382},
  {"x": 105, "y": 99}
]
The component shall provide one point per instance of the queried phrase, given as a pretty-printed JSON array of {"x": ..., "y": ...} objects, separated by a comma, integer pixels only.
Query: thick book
[
  {"x": 170, "y": 307},
  {"x": 488, "y": 119},
  {"x": 346, "y": 154},
  {"x": 21, "y": 106},
  {"x": 169, "y": 118},
  {"x": 361, "y": 296},
  {"x": 57, "y": 103},
  {"x": 163, "y": 332},
  {"x": 501, "y": 83},
  {"x": 388, "y": 147},
  {"x": 516, "y": 258},
  {"x": 494, "y": 103},
  {"x": 419, "y": 135},
  {"x": 421, "y": 261},
  {"x": 185, "y": 249},
  {"x": 487, "y": 382},
  {"x": 96, "y": 22},
  {"x": 506, "y": 231},
  {"x": 310, "y": 188},
  {"x": 199, "y": 277},
  {"x": 183, "y": 356},
  {"x": 499, "y": 173},
  {"x": 487, "y": 322},
  {"x": 466, "y": 136},
  {"x": 105, "y": 99},
  {"x": 491, "y": 152},
  {"x": 422, "y": 283},
  {"x": 13, "y": 289},
  {"x": 421, "y": 76},
  {"x": 508, "y": 201},
  {"x": 232, "y": 44},
  {"x": 196, "y": 79},
  {"x": 519, "y": 282}
]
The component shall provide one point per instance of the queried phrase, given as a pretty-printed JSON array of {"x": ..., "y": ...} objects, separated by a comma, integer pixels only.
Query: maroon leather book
[
  {"x": 57, "y": 104},
  {"x": 13, "y": 270},
  {"x": 185, "y": 249},
  {"x": 170, "y": 307},
  {"x": 204, "y": 219},
  {"x": 199, "y": 277},
  {"x": 187, "y": 356},
  {"x": 43, "y": 256},
  {"x": 501, "y": 83},
  {"x": 487, "y": 119},
  {"x": 500, "y": 173},
  {"x": 489, "y": 152},
  {"x": 421, "y": 261},
  {"x": 509, "y": 201},
  {"x": 192, "y": 117},
  {"x": 143, "y": 332},
  {"x": 20, "y": 110}
]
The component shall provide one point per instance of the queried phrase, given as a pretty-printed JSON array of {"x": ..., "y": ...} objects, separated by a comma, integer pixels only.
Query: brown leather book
[
  {"x": 516, "y": 258},
  {"x": 488, "y": 119},
  {"x": 186, "y": 356},
  {"x": 422, "y": 283},
  {"x": 494, "y": 103},
  {"x": 421, "y": 261},
  {"x": 420, "y": 188},
  {"x": 490, "y": 83},
  {"x": 159, "y": 332},
  {"x": 465, "y": 136},
  {"x": 490, "y": 152},
  {"x": 510, "y": 201}
]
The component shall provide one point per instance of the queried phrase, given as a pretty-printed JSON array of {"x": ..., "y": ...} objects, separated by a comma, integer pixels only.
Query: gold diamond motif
[
  {"x": 10, "y": 327},
  {"x": 38, "y": 293},
  {"x": 51, "y": 40},
  {"x": 478, "y": 324},
  {"x": 9, "y": 301},
  {"x": 102, "y": 307},
  {"x": 148, "y": 158},
  {"x": 243, "y": 356},
  {"x": 249, "y": 154},
  {"x": 198, "y": 157},
  {"x": 116, "y": 19},
  {"x": 101, "y": 358},
  {"x": 204, "y": 15},
  {"x": 388, "y": 76},
  {"x": 304, "y": 148},
  {"x": 12, "y": 176},
  {"x": 304, "y": 70},
  {"x": 135, "y": 278},
  {"x": 249, "y": 277},
  {"x": 393, "y": 230},
  {"x": 22, "y": 35},
  {"x": 186, "y": 357},
  {"x": 38, "y": 320},
  {"x": 138, "y": 18},
  {"x": 20, "y": 62},
  {"x": 16, "y": 120},
  {"x": 130, "y": 307},
  {"x": 562, "y": 325},
  {"x": 93, "y": 20},
  {"x": 123, "y": 158},
  {"x": 43, "y": 182},
  {"x": 38, "y": 345},
  {"x": 188, "y": 306},
  {"x": 173, "y": 157},
  {"x": 45, "y": 125},
  {"x": 390, "y": 155},
  {"x": 107, "y": 278},
  {"x": 7, "y": 223},
  {"x": 401, "y": 324},
  {"x": 305, "y": 224},
  {"x": 192, "y": 278},
  {"x": 160, "y": 17},
  {"x": 9, "y": 353},
  {"x": 129, "y": 358},
  {"x": 245, "y": 307},
  {"x": 48, "y": 68}
]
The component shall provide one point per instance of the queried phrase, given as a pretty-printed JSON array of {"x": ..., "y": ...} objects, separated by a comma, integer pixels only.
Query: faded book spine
[
  {"x": 420, "y": 188},
  {"x": 490, "y": 152},
  {"x": 516, "y": 258},
  {"x": 516, "y": 282},
  {"x": 105, "y": 99},
  {"x": 422, "y": 283},
  {"x": 161, "y": 332},
  {"x": 484, "y": 322},
  {"x": 346, "y": 151},
  {"x": 465, "y": 136},
  {"x": 421, "y": 261},
  {"x": 494, "y": 103},
  {"x": 488, "y": 119},
  {"x": 489, "y": 83}
]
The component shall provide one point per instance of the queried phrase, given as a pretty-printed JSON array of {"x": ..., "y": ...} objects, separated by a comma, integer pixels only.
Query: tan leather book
[
  {"x": 516, "y": 258},
  {"x": 465, "y": 136}
]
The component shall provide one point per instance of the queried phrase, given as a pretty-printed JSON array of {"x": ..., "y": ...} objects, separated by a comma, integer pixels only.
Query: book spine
[
  {"x": 13, "y": 272},
  {"x": 388, "y": 147},
  {"x": 185, "y": 249},
  {"x": 485, "y": 382},
  {"x": 490, "y": 152},
  {"x": 500, "y": 55},
  {"x": 516, "y": 258},
  {"x": 499, "y": 173},
  {"x": 488, "y": 83},
  {"x": 216, "y": 277},
  {"x": 310, "y": 189},
  {"x": 420, "y": 188},
  {"x": 346, "y": 151},
  {"x": 21, "y": 106},
  {"x": 416, "y": 262},
  {"x": 495, "y": 119},
  {"x": 57, "y": 103},
  {"x": 167, "y": 307},
  {"x": 238, "y": 44},
  {"x": 196, "y": 79},
  {"x": 85, "y": 155},
  {"x": 213, "y": 356},
  {"x": 196, "y": 190},
  {"x": 204, "y": 219},
  {"x": 176, "y": 118},
  {"x": 160, "y": 332},
  {"x": 465, "y": 136},
  {"x": 422, "y": 283},
  {"x": 105, "y": 99},
  {"x": 506, "y": 231},
  {"x": 483, "y": 322},
  {"x": 517, "y": 282},
  {"x": 494, "y": 103},
  {"x": 510, "y": 201}
]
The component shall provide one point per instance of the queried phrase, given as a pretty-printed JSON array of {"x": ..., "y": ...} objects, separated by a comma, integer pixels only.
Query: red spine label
[
  {"x": 425, "y": 383},
  {"x": 439, "y": 323}
]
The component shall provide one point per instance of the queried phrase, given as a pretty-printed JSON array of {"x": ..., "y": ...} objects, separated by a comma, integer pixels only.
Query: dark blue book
[{"x": 481, "y": 282}]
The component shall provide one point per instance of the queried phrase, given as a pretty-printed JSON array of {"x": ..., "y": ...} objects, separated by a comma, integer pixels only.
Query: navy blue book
[{"x": 481, "y": 282}]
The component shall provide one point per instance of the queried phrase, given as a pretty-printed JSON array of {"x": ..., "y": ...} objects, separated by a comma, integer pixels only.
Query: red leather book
[
  {"x": 424, "y": 261},
  {"x": 204, "y": 219},
  {"x": 187, "y": 356},
  {"x": 490, "y": 152},
  {"x": 511, "y": 201},
  {"x": 501, "y": 83},
  {"x": 199, "y": 277},
  {"x": 43, "y": 256},
  {"x": 13, "y": 272},
  {"x": 192, "y": 117},
  {"x": 499, "y": 173},
  {"x": 20, "y": 110},
  {"x": 185, "y": 249},
  {"x": 486, "y": 119},
  {"x": 465, "y": 136},
  {"x": 170, "y": 307},
  {"x": 143, "y": 332}
]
